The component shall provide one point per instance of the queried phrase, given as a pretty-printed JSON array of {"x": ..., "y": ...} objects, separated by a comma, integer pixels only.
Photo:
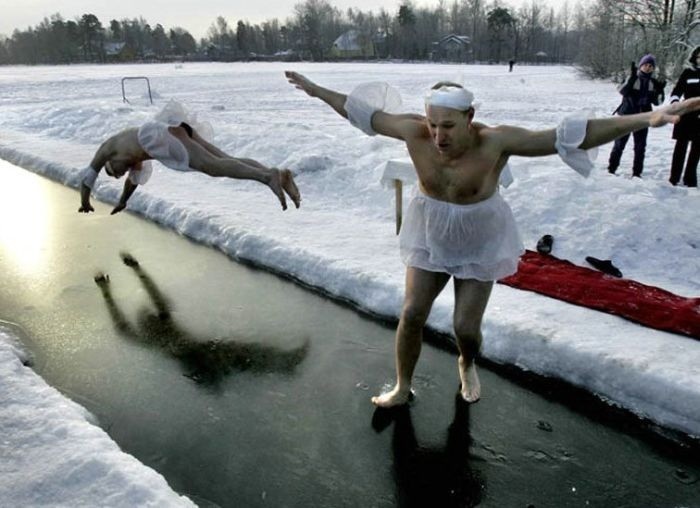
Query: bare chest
[{"x": 469, "y": 179}]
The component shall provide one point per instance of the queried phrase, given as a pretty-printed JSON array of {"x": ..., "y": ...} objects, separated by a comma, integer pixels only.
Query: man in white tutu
[
  {"x": 177, "y": 145},
  {"x": 457, "y": 225}
]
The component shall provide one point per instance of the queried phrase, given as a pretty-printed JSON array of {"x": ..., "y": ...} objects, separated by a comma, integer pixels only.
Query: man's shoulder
[
  {"x": 494, "y": 137},
  {"x": 415, "y": 125},
  {"x": 491, "y": 132}
]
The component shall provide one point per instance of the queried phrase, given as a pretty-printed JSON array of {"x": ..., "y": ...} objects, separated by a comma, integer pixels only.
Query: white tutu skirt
[
  {"x": 155, "y": 138},
  {"x": 157, "y": 141},
  {"x": 476, "y": 241}
]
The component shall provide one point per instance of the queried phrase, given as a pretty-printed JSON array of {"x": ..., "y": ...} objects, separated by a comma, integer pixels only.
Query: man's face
[
  {"x": 115, "y": 168},
  {"x": 647, "y": 68},
  {"x": 448, "y": 128}
]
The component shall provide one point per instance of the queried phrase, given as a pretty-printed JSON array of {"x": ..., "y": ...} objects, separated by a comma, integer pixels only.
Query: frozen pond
[{"x": 276, "y": 411}]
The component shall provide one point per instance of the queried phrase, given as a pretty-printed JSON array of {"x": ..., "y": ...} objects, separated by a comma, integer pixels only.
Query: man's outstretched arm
[
  {"x": 396, "y": 126},
  {"x": 89, "y": 176},
  {"x": 604, "y": 130},
  {"x": 334, "y": 99},
  {"x": 524, "y": 142},
  {"x": 129, "y": 188}
]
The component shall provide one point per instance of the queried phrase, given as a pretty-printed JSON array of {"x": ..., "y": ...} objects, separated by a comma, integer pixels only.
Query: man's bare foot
[
  {"x": 393, "y": 398},
  {"x": 471, "y": 387},
  {"x": 287, "y": 179},
  {"x": 275, "y": 185}
]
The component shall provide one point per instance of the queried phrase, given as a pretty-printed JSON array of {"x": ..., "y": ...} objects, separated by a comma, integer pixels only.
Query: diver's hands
[
  {"x": 120, "y": 206},
  {"x": 85, "y": 206}
]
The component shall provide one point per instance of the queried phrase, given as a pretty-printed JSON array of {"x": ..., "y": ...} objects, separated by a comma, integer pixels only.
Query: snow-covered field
[{"x": 342, "y": 239}]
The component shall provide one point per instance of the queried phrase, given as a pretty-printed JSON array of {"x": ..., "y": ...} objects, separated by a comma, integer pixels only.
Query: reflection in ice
[{"x": 25, "y": 223}]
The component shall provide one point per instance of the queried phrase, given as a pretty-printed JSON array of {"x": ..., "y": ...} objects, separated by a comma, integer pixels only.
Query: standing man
[
  {"x": 457, "y": 225},
  {"x": 639, "y": 92}
]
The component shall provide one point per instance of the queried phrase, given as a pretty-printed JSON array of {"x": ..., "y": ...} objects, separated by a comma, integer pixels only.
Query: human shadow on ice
[
  {"x": 205, "y": 361},
  {"x": 432, "y": 476}
]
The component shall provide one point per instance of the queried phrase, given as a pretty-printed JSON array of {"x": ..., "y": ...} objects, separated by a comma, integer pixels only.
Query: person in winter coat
[
  {"x": 688, "y": 129},
  {"x": 639, "y": 93}
]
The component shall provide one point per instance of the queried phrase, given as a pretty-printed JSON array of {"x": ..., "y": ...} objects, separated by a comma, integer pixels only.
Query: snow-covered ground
[
  {"x": 342, "y": 239},
  {"x": 54, "y": 454}
]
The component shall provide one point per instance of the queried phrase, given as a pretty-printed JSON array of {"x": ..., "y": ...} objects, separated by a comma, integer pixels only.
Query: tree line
[{"x": 601, "y": 36}]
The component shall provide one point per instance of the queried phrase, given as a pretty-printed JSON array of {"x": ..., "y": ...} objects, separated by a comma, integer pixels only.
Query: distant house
[
  {"x": 117, "y": 52},
  {"x": 351, "y": 44},
  {"x": 213, "y": 51},
  {"x": 452, "y": 48}
]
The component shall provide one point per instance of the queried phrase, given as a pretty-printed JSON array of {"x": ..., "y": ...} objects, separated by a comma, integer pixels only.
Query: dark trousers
[
  {"x": 640, "y": 145},
  {"x": 690, "y": 177}
]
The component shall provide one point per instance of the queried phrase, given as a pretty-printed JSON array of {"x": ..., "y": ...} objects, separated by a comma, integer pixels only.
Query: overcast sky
[{"x": 195, "y": 16}]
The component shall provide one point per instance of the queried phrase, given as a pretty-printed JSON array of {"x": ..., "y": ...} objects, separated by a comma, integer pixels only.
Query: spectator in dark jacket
[
  {"x": 639, "y": 93},
  {"x": 688, "y": 129}
]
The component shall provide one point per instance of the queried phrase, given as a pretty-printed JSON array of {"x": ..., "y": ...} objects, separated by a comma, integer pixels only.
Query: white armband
[
  {"x": 141, "y": 176},
  {"x": 570, "y": 134},
  {"x": 368, "y": 98},
  {"x": 89, "y": 177}
]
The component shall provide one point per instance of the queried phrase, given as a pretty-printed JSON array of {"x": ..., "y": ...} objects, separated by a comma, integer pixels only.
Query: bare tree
[
  {"x": 500, "y": 23},
  {"x": 662, "y": 26}
]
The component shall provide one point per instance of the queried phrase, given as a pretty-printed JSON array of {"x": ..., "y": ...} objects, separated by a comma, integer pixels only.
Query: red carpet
[{"x": 646, "y": 305}]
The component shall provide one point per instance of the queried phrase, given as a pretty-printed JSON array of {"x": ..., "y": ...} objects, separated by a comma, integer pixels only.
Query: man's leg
[
  {"x": 678, "y": 160},
  {"x": 422, "y": 287},
  {"x": 218, "y": 152},
  {"x": 471, "y": 297},
  {"x": 286, "y": 178},
  {"x": 640, "y": 146},
  {"x": 616, "y": 153},
  {"x": 203, "y": 158},
  {"x": 690, "y": 177}
]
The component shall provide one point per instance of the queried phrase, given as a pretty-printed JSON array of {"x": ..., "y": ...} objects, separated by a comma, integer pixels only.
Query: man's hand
[
  {"x": 118, "y": 208},
  {"x": 301, "y": 82},
  {"x": 673, "y": 112},
  {"x": 85, "y": 206},
  {"x": 633, "y": 69}
]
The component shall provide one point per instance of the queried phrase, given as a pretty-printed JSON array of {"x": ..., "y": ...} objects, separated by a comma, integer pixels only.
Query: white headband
[{"x": 450, "y": 97}]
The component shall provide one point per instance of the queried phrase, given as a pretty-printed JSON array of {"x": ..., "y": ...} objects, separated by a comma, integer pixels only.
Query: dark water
[{"x": 245, "y": 390}]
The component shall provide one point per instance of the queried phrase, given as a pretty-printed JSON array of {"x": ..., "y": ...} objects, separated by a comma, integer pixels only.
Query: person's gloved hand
[{"x": 633, "y": 69}]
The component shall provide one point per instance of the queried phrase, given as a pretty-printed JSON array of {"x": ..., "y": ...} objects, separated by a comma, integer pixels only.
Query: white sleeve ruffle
[
  {"x": 89, "y": 177},
  {"x": 368, "y": 98},
  {"x": 141, "y": 176},
  {"x": 570, "y": 134}
]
